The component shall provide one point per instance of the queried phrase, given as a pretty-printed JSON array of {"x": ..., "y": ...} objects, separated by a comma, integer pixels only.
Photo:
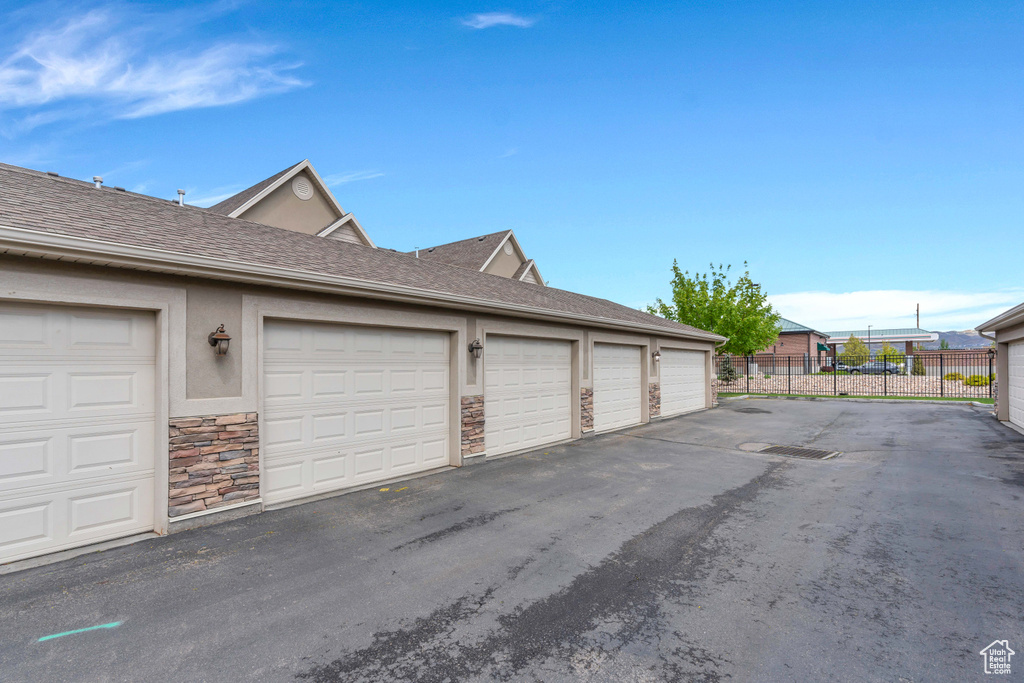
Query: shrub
[
  {"x": 956, "y": 376},
  {"x": 977, "y": 381},
  {"x": 918, "y": 368},
  {"x": 727, "y": 372},
  {"x": 767, "y": 376}
]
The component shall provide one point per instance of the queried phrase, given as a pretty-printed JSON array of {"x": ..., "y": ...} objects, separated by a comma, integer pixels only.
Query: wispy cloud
[
  {"x": 119, "y": 63},
  {"x": 214, "y": 196},
  {"x": 940, "y": 310},
  {"x": 510, "y": 152},
  {"x": 492, "y": 19},
  {"x": 342, "y": 178}
]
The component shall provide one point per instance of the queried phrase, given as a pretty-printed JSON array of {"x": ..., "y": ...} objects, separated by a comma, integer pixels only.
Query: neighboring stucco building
[
  {"x": 1007, "y": 329},
  {"x": 795, "y": 339},
  {"x": 124, "y": 409}
]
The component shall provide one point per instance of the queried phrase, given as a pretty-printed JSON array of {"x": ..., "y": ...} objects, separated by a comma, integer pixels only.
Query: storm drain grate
[{"x": 798, "y": 452}]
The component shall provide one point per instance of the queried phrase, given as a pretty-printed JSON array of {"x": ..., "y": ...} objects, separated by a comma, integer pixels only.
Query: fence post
[
  {"x": 990, "y": 375},
  {"x": 789, "y": 375},
  {"x": 747, "y": 359},
  {"x": 885, "y": 375},
  {"x": 835, "y": 373},
  {"x": 942, "y": 375}
]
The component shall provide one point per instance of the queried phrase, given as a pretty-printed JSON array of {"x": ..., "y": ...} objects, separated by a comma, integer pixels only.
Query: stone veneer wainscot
[
  {"x": 472, "y": 425},
  {"x": 214, "y": 462},
  {"x": 587, "y": 410},
  {"x": 654, "y": 398}
]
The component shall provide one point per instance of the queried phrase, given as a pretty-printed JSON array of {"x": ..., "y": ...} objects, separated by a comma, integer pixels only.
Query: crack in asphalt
[
  {"x": 626, "y": 589},
  {"x": 478, "y": 520}
]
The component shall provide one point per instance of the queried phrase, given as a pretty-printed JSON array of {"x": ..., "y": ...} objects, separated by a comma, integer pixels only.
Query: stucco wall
[
  {"x": 195, "y": 382},
  {"x": 282, "y": 209},
  {"x": 504, "y": 264},
  {"x": 208, "y": 375}
]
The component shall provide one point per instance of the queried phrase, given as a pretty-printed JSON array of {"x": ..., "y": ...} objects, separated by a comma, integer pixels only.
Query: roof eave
[
  {"x": 22, "y": 242},
  {"x": 1003, "y": 320}
]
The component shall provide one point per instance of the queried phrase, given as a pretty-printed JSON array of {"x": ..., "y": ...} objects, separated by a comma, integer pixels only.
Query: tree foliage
[
  {"x": 737, "y": 310},
  {"x": 891, "y": 354},
  {"x": 854, "y": 352},
  {"x": 944, "y": 345}
]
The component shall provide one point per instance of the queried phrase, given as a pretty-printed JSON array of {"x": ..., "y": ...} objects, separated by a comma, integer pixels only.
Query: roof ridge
[
  {"x": 265, "y": 183},
  {"x": 466, "y": 239},
  {"x": 86, "y": 184}
]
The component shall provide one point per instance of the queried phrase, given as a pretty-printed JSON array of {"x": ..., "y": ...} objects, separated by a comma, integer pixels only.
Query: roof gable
[
  {"x": 238, "y": 205},
  {"x": 473, "y": 253},
  {"x": 45, "y": 216}
]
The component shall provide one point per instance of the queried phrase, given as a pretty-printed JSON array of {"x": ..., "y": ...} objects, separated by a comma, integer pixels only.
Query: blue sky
[{"x": 862, "y": 158}]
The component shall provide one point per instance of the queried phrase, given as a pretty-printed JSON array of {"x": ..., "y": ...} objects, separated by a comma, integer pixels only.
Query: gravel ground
[{"x": 854, "y": 385}]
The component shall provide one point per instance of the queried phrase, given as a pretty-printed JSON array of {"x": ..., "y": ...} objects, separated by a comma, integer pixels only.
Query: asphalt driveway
[{"x": 664, "y": 553}]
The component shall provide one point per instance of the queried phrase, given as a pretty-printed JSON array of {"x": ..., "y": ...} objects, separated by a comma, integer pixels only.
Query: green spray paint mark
[{"x": 113, "y": 624}]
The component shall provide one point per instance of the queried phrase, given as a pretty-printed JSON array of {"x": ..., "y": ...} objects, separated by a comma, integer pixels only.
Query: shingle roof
[
  {"x": 32, "y": 200},
  {"x": 235, "y": 201},
  {"x": 790, "y": 326},
  {"x": 472, "y": 253},
  {"x": 521, "y": 270}
]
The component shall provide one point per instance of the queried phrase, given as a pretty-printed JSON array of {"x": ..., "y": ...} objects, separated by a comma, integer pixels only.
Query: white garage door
[
  {"x": 77, "y": 411},
  {"x": 527, "y": 393},
  {"x": 1015, "y": 388},
  {"x": 682, "y": 381},
  {"x": 345, "y": 406},
  {"x": 617, "y": 386}
]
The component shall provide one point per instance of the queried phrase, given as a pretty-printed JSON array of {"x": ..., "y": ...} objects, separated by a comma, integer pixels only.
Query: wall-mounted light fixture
[
  {"x": 656, "y": 356},
  {"x": 220, "y": 340},
  {"x": 476, "y": 348}
]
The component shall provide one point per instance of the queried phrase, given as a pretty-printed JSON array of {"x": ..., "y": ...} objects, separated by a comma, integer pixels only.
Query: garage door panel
[
  {"x": 526, "y": 393},
  {"x": 48, "y": 520},
  {"x": 77, "y": 426},
  {"x": 618, "y": 393},
  {"x": 1015, "y": 388},
  {"x": 345, "y": 406},
  {"x": 683, "y": 381}
]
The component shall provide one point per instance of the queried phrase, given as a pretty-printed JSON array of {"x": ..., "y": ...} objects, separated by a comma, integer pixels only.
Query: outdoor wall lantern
[
  {"x": 220, "y": 340},
  {"x": 656, "y": 356},
  {"x": 476, "y": 348}
]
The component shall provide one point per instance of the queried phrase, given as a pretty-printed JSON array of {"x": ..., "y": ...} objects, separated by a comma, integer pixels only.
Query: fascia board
[
  {"x": 1004, "y": 319},
  {"x": 348, "y": 218},
  {"x": 495, "y": 252},
  {"x": 62, "y": 247},
  {"x": 270, "y": 188}
]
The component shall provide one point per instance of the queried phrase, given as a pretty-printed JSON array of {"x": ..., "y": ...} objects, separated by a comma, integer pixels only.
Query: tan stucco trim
[
  {"x": 168, "y": 307},
  {"x": 21, "y": 242}
]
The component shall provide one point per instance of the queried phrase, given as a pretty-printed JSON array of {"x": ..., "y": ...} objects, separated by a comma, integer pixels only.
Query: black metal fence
[{"x": 966, "y": 374}]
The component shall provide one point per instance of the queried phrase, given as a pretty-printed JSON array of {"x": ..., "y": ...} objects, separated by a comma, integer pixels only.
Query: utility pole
[{"x": 919, "y": 316}]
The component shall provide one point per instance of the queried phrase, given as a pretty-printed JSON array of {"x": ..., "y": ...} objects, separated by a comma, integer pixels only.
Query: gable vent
[{"x": 302, "y": 188}]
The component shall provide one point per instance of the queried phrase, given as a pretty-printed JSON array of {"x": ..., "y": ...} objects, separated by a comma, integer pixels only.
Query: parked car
[{"x": 876, "y": 367}]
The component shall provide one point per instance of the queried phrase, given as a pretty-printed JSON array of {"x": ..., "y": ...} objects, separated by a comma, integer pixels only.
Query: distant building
[
  {"x": 907, "y": 335},
  {"x": 795, "y": 340}
]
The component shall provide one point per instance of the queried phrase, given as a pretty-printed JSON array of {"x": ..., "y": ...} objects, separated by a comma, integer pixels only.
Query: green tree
[
  {"x": 891, "y": 355},
  {"x": 854, "y": 352},
  {"x": 918, "y": 368},
  {"x": 737, "y": 310},
  {"x": 944, "y": 345}
]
